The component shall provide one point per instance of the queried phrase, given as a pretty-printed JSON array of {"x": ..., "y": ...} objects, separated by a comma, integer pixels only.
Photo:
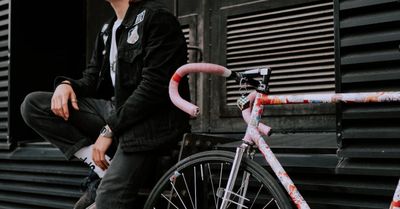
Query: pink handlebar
[
  {"x": 192, "y": 109},
  {"x": 176, "y": 99}
]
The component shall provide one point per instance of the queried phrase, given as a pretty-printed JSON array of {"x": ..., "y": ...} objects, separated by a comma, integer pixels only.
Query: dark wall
[
  {"x": 97, "y": 13},
  {"x": 44, "y": 43}
]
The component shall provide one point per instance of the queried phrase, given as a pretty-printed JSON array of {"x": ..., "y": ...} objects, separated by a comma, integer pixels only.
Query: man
[{"x": 121, "y": 101}]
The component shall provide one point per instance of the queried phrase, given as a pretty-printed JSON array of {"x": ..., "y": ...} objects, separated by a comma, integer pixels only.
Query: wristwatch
[{"x": 106, "y": 132}]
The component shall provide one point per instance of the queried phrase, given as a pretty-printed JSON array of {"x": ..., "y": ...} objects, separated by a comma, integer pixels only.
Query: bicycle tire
[{"x": 205, "y": 195}]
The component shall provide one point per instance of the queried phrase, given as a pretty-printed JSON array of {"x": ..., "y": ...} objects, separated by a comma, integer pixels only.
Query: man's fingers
[
  {"x": 99, "y": 152},
  {"x": 94, "y": 156},
  {"x": 97, "y": 158},
  {"x": 57, "y": 107},
  {"x": 102, "y": 166},
  {"x": 74, "y": 102},
  {"x": 104, "y": 161},
  {"x": 53, "y": 105},
  {"x": 64, "y": 108}
]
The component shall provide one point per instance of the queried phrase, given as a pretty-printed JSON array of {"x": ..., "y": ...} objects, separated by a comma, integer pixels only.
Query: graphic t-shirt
[{"x": 114, "y": 51}]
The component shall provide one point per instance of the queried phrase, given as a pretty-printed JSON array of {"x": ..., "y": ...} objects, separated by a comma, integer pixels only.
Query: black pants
[{"x": 119, "y": 186}]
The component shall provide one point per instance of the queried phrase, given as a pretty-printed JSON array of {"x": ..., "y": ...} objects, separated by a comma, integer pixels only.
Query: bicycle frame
[
  {"x": 253, "y": 136},
  {"x": 254, "y": 129}
]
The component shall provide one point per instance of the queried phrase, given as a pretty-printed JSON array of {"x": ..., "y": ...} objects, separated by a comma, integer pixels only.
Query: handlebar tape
[{"x": 176, "y": 99}]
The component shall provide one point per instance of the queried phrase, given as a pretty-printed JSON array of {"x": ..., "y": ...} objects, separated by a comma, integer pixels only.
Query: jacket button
[{"x": 104, "y": 52}]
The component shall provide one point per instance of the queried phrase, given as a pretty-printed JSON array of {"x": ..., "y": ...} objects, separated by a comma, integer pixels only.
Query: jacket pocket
[
  {"x": 130, "y": 66},
  {"x": 129, "y": 53},
  {"x": 129, "y": 50}
]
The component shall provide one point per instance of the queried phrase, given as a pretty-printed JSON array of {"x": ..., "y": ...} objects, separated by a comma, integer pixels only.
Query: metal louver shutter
[
  {"x": 186, "y": 33},
  {"x": 4, "y": 66},
  {"x": 370, "y": 61},
  {"x": 37, "y": 175},
  {"x": 296, "y": 42},
  {"x": 189, "y": 27}
]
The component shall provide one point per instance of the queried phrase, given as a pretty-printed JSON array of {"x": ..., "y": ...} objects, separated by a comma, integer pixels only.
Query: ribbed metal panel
[
  {"x": 186, "y": 33},
  {"x": 188, "y": 27},
  {"x": 38, "y": 176},
  {"x": 370, "y": 61},
  {"x": 297, "y": 43},
  {"x": 4, "y": 67}
]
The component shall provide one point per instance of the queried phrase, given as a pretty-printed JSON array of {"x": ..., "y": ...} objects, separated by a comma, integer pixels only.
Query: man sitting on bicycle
[{"x": 122, "y": 96}]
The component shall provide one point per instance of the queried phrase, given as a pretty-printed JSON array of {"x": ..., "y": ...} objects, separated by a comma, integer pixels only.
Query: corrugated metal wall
[
  {"x": 296, "y": 42},
  {"x": 4, "y": 66},
  {"x": 37, "y": 175},
  {"x": 369, "y": 60}
]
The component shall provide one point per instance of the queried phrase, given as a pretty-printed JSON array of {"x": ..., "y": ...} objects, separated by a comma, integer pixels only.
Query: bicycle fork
[{"x": 241, "y": 195}]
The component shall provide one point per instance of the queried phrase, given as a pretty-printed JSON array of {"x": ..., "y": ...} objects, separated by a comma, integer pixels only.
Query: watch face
[{"x": 105, "y": 132}]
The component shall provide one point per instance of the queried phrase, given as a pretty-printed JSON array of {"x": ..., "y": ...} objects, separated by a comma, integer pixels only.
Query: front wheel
[{"x": 198, "y": 182}]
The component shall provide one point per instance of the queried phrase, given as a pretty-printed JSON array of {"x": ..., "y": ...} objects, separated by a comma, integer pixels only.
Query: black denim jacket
[{"x": 151, "y": 46}]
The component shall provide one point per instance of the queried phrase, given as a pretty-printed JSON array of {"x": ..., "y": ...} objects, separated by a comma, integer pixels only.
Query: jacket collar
[
  {"x": 131, "y": 14},
  {"x": 129, "y": 18}
]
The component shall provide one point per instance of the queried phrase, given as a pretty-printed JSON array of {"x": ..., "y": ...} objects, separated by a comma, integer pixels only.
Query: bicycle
[{"x": 221, "y": 179}]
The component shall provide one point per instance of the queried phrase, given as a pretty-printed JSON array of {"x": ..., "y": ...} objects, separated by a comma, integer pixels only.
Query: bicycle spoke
[
  {"x": 258, "y": 193},
  {"x": 187, "y": 188},
  {"x": 238, "y": 196},
  {"x": 244, "y": 187},
  {"x": 272, "y": 199},
  {"x": 231, "y": 201},
  {"x": 177, "y": 193},
  {"x": 241, "y": 189},
  {"x": 201, "y": 172},
  {"x": 220, "y": 179},
  {"x": 277, "y": 204},
  {"x": 172, "y": 181},
  {"x": 170, "y": 202},
  {"x": 170, "y": 197},
  {"x": 195, "y": 187},
  {"x": 212, "y": 186}
]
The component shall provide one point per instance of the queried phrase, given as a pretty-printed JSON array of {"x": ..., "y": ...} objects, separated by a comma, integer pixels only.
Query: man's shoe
[{"x": 89, "y": 187}]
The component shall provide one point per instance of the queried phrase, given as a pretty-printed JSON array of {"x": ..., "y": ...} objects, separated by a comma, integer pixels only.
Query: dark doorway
[{"x": 46, "y": 40}]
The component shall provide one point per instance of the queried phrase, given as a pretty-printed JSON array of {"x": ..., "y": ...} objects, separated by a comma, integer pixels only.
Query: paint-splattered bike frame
[{"x": 256, "y": 129}]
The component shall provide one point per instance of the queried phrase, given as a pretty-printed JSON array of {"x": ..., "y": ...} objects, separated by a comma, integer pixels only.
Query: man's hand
[
  {"x": 59, "y": 101},
  {"x": 99, "y": 151}
]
